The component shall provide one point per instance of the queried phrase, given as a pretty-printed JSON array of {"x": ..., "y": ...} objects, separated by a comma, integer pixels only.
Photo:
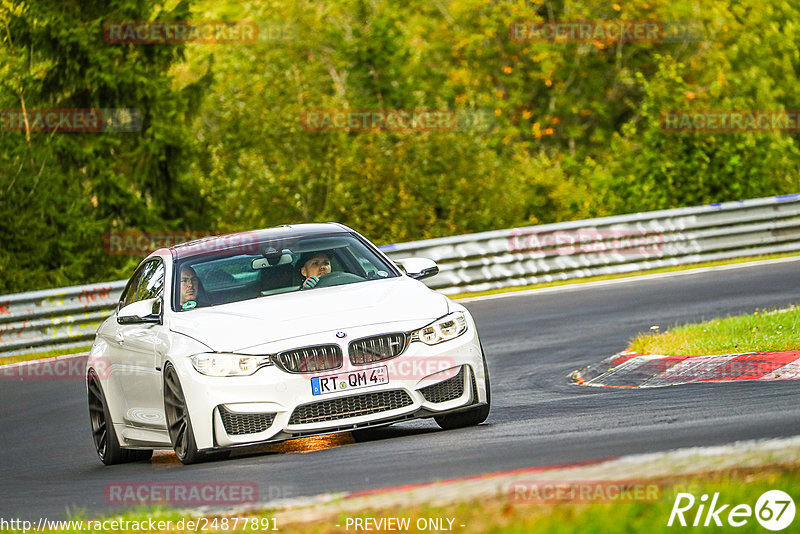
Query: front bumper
[{"x": 272, "y": 405}]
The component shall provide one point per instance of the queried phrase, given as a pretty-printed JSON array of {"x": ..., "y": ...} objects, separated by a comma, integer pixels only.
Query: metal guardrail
[
  {"x": 55, "y": 318},
  {"x": 488, "y": 260},
  {"x": 610, "y": 245}
]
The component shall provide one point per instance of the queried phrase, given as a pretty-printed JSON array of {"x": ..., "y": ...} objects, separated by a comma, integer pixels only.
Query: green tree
[{"x": 62, "y": 192}]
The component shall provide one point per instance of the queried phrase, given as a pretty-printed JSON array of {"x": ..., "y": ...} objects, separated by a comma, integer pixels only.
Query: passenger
[
  {"x": 313, "y": 267},
  {"x": 190, "y": 288}
]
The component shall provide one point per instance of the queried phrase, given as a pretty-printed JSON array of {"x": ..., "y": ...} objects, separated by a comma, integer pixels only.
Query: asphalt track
[{"x": 538, "y": 418}]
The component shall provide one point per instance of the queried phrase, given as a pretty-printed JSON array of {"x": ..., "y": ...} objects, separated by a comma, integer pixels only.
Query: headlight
[
  {"x": 445, "y": 328},
  {"x": 218, "y": 364}
]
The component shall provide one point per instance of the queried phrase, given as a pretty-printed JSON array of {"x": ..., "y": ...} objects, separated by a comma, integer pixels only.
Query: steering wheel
[{"x": 338, "y": 279}]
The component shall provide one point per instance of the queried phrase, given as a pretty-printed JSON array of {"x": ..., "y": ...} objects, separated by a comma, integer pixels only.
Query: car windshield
[{"x": 260, "y": 269}]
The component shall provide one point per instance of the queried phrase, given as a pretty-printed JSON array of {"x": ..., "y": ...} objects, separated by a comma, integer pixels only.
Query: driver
[{"x": 313, "y": 267}]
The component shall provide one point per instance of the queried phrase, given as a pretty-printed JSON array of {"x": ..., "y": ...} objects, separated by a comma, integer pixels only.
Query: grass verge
[
  {"x": 762, "y": 331},
  {"x": 510, "y": 513},
  {"x": 675, "y": 268},
  {"x": 504, "y": 514}
]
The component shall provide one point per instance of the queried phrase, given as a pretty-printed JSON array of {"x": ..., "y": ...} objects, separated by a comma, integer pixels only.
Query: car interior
[{"x": 244, "y": 277}]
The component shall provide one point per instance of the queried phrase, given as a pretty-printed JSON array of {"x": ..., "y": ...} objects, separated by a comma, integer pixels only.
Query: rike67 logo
[{"x": 774, "y": 510}]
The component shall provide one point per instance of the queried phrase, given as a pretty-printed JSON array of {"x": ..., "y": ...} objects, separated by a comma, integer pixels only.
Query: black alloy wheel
[
  {"x": 103, "y": 434},
  {"x": 180, "y": 425}
]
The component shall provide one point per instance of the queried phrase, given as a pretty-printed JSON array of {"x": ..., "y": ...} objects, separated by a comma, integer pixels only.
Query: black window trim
[
  {"x": 136, "y": 273},
  {"x": 179, "y": 262}
]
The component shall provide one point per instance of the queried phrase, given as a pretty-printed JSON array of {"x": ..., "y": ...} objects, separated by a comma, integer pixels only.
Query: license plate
[{"x": 320, "y": 385}]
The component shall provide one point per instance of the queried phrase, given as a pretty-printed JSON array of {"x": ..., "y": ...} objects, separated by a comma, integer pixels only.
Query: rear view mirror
[
  {"x": 271, "y": 259},
  {"x": 272, "y": 255}
]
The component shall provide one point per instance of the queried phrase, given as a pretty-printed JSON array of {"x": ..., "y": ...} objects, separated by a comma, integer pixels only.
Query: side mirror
[
  {"x": 418, "y": 268},
  {"x": 142, "y": 311}
]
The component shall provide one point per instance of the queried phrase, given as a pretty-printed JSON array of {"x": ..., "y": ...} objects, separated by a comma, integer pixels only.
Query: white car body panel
[{"x": 241, "y": 325}]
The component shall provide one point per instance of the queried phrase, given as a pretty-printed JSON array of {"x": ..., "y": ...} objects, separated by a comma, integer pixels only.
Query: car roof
[{"x": 240, "y": 239}]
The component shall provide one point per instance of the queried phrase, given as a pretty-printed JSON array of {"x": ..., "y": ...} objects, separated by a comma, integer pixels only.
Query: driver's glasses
[{"x": 189, "y": 280}]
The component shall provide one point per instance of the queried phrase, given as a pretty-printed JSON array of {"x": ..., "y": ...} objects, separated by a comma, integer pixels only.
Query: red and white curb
[{"x": 633, "y": 370}]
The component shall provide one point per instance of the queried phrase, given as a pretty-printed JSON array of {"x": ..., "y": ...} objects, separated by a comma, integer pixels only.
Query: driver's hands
[{"x": 310, "y": 282}]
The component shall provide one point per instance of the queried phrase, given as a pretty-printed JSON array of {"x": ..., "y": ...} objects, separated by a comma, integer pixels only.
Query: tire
[
  {"x": 471, "y": 417},
  {"x": 179, "y": 424},
  {"x": 103, "y": 435}
]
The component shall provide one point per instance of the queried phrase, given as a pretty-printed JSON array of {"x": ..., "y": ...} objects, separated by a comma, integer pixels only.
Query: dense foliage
[{"x": 569, "y": 130}]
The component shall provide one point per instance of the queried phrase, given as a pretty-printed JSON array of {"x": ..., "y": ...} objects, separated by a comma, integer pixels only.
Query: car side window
[
  {"x": 148, "y": 282},
  {"x": 130, "y": 292},
  {"x": 152, "y": 283}
]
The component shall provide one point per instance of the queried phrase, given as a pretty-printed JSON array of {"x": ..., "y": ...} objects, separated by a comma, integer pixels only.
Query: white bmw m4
[{"x": 276, "y": 334}]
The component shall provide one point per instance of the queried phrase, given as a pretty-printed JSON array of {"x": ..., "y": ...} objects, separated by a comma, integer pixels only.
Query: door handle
[{"x": 118, "y": 338}]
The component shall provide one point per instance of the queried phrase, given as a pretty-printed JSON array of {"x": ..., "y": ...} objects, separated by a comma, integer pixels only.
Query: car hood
[{"x": 240, "y": 325}]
